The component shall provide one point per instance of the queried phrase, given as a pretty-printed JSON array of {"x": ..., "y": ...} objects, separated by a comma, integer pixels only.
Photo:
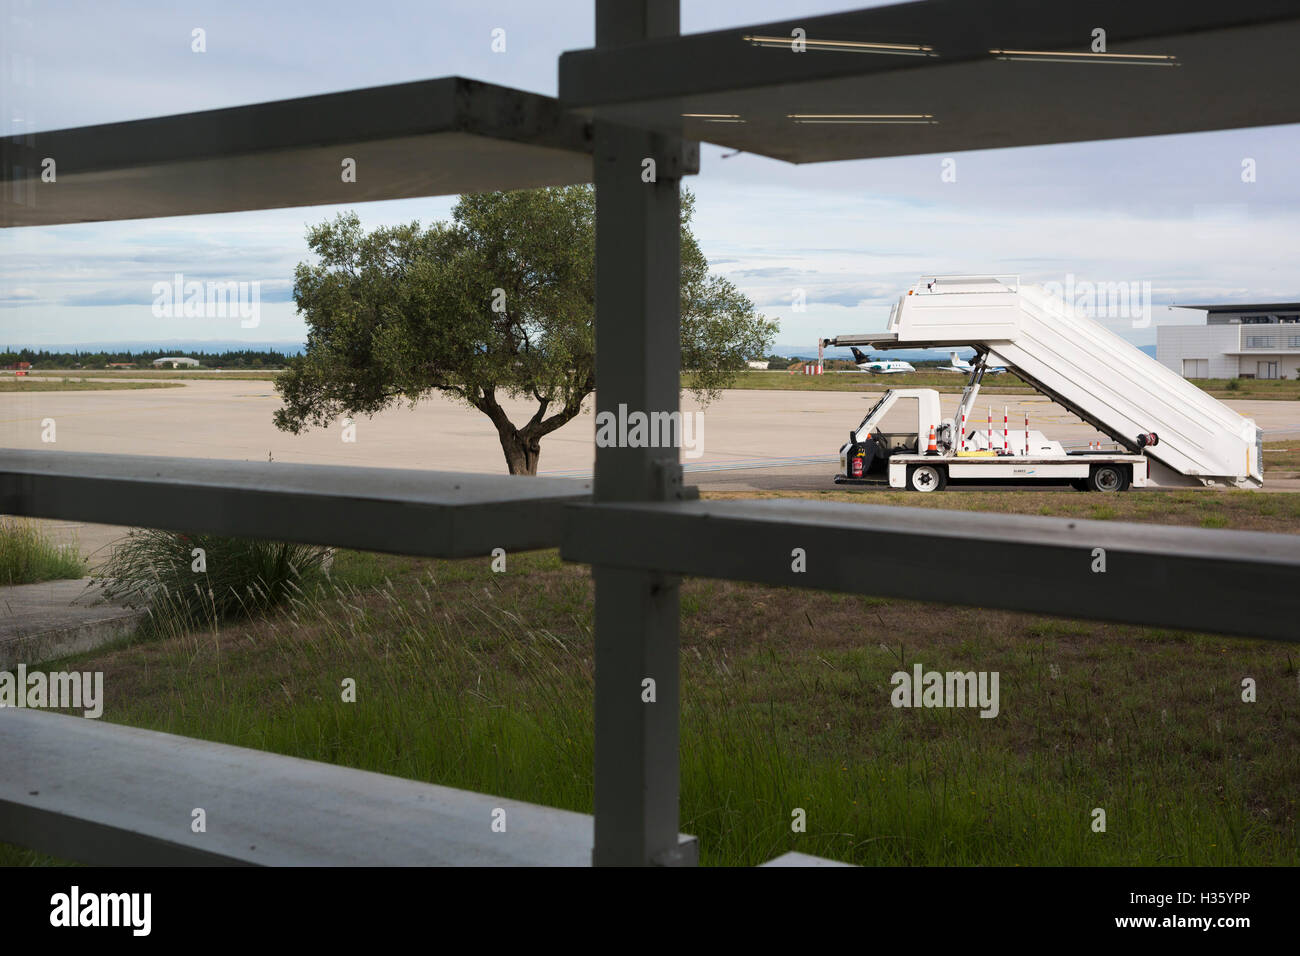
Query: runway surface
[{"x": 750, "y": 440}]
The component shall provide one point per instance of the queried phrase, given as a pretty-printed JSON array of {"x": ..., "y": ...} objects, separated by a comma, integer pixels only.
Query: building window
[
  {"x": 1259, "y": 341},
  {"x": 1196, "y": 368},
  {"x": 1293, "y": 341}
]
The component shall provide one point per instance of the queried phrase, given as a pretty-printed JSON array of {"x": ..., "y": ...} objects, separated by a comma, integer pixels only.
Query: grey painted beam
[
  {"x": 961, "y": 83},
  {"x": 637, "y": 613},
  {"x": 401, "y": 511},
  {"x": 430, "y": 138},
  {"x": 106, "y": 794},
  {"x": 1227, "y": 582}
]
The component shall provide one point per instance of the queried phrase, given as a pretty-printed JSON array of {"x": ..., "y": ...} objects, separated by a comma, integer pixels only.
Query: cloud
[
  {"x": 1170, "y": 209},
  {"x": 107, "y": 297},
  {"x": 849, "y": 298},
  {"x": 772, "y": 272},
  {"x": 19, "y": 296},
  {"x": 137, "y": 293}
]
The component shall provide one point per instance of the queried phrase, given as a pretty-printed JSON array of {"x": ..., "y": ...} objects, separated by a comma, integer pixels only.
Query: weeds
[
  {"x": 199, "y": 580},
  {"x": 29, "y": 555}
]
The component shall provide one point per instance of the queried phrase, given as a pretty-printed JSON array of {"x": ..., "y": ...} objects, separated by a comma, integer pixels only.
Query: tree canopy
[{"x": 500, "y": 301}]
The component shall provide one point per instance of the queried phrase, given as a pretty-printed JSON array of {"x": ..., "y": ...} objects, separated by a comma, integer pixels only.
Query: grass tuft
[
  {"x": 200, "y": 580},
  {"x": 29, "y": 555}
]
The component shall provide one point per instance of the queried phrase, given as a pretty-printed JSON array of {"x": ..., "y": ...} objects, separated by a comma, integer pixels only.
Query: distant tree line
[{"x": 44, "y": 359}]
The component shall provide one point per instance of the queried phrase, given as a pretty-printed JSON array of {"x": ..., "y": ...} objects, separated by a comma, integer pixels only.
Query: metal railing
[{"x": 931, "y": 284}]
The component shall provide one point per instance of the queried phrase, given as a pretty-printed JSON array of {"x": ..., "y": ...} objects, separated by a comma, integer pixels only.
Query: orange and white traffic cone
[{"x": 932, "y": 448}]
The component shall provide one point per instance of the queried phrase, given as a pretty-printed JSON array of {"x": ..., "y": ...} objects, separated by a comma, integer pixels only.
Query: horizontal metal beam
[
  {"x": 401, "y": 511},
  {"x": 882, "y": 341},
  {"x": 949, "y": 75},
  {"x": 1222, "y": 582},
  {"x": 102, "y": 793},
  {"x": 430, "y": 138}
]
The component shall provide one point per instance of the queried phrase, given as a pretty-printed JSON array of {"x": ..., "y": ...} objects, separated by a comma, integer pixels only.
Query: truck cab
[{"x": 899, "y": 423}]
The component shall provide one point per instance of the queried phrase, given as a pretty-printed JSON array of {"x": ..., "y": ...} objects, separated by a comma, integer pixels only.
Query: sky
[{"x": 1171, "y": 211}]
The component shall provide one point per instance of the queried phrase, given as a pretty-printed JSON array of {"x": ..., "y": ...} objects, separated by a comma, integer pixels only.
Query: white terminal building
[
  {"x": 1261, "y": 340},
  {"x": 175, "y": 361}
]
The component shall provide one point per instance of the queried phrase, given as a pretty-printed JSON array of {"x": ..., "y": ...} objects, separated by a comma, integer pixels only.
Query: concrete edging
[{"x": 39, "y": 622}]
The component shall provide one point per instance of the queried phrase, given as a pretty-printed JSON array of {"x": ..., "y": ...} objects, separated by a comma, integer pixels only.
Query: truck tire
[
  {"x": 1108, "y": 478},
  {"x": 927, "y": 478}
]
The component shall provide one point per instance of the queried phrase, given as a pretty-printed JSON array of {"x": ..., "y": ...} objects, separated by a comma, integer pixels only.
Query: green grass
[
  {"x": 29, "y": 555},
  {"x": 209, "y": 376},
  {"x": 1277, "y": 389},
  {"x": 484, "y": 681},
  {"x": 1205, "y": 507},
  {"x": 1281, "y": 459},
  {"x": 1007, "y": 383},
  {"x": 32, "y": 384}
]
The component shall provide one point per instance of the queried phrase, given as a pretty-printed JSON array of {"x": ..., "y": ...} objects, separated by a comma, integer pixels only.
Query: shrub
[
  {"x": 188, "y": 579},
  {"x": 28, "y": 555}
]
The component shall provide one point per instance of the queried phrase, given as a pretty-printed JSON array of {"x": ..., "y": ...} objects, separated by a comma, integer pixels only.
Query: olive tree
[{"x": 500, "y": 301}]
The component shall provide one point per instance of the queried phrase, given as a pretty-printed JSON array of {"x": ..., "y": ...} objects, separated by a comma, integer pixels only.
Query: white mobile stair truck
[{"x": 1170, "y": 431}]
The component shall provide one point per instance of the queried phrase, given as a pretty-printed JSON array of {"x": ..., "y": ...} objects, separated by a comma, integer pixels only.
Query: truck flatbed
[{"x": 1073, "y": 467}]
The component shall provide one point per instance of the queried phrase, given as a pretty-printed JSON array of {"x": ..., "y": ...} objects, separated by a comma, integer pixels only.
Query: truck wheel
[
  {"x": 927, "y": 478},
  {"x": 1108, "y": 478}
]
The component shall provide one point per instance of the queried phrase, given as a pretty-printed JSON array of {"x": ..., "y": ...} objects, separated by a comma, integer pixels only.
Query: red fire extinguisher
[{"x": 855, "y": 466}]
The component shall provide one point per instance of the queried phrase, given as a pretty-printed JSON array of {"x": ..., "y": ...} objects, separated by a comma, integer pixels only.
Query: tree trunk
[
  {"x": 521, "y": 453},
  {"x": 523, "y": 446}
]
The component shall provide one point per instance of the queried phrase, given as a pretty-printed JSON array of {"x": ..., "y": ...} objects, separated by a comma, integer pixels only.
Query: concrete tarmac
[{"x": 750, "y": 439}]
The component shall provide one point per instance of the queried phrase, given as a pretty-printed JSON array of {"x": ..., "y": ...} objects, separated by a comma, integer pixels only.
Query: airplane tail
[
  {"x": 858, "y": 356},
  {"x": 952, "y": 357}
]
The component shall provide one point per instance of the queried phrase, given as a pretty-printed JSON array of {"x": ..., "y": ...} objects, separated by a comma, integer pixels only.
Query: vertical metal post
[{"x": 638, "y": 359}]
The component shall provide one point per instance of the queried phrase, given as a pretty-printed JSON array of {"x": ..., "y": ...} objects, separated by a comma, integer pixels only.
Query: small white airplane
[
  {"x": 961, "y": 365},
  {"x": 879, "y": 366}
]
